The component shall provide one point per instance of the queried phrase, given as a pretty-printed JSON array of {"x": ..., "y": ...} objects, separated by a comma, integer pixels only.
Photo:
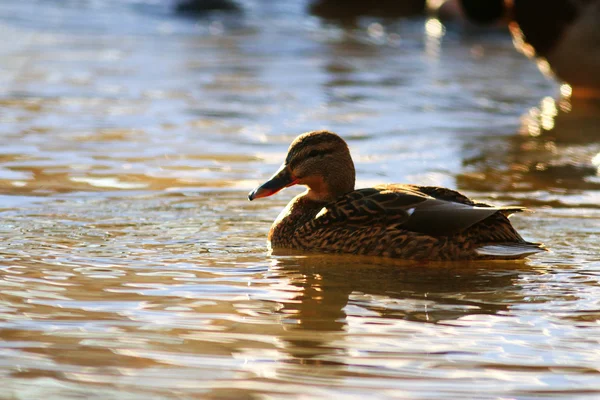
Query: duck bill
[{"x": 282, "y": 179}]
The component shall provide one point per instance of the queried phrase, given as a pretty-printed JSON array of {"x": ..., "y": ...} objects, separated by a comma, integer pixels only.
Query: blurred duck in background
[
  {"x": 562, "y": 35},
  {"x": 558, "y": 146},
  {"x": 349, "y": 10},
  {"x": 478, "y": 12},
  {"x": 566, "y": 34},
  {"x": 204, "y": 7}
]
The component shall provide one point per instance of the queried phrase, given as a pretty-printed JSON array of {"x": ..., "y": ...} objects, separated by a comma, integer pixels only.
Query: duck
[
  {"x": 562, "y": 36},
  {"x": 402, "y": 221},
  {"x": 350, "y": 11}
]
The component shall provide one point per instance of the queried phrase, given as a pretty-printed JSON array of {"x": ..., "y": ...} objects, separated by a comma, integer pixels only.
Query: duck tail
[
  {"x": 510, "y": 251},
  {"x": 507, "y": 211}
]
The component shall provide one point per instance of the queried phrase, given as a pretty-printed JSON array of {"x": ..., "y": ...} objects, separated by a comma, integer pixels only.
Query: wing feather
[{"x": 427, "y": 210}]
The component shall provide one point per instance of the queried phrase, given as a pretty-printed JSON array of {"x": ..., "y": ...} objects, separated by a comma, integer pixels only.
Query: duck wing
[{"x": 429, "y": 210}]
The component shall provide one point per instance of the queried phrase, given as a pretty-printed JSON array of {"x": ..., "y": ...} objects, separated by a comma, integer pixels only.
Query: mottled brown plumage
[{"x": 399, "y": 221}]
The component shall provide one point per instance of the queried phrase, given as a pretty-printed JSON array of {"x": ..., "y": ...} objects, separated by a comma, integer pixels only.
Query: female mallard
[{"x": 400, "y": 221}]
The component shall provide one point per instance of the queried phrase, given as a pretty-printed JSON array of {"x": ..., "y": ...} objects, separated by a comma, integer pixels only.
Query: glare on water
[{"x": 133, "y": 266}]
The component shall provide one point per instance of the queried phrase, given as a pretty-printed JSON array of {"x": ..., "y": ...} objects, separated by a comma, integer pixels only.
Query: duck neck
[
  {"x": 298, "y": 212},
  {"x": 335, "y": 182}
]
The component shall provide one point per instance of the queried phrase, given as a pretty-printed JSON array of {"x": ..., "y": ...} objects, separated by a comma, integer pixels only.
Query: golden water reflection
[
  {"x": 556, "y": 151},
  {"x": 189, "y": 302},
  {"x": 155, "y": 329},
  {"x": 132, "y": 265}
]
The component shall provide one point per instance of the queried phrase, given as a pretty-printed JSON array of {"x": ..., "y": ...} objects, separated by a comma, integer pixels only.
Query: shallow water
[{"x": 134, "y": 267}]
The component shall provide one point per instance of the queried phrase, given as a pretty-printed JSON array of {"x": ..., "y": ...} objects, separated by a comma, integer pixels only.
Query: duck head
[{"x": 320, "y": 160}]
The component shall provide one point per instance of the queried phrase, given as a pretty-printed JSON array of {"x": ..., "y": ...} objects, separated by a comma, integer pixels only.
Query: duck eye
[{"x": 313, "y": 153}]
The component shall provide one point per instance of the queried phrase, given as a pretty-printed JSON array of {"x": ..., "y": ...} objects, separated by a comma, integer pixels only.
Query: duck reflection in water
[{"x": 338, "y": 292}]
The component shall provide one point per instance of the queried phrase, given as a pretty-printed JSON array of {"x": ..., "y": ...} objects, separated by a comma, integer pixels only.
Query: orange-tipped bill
[{"x": 282, "y": 179}]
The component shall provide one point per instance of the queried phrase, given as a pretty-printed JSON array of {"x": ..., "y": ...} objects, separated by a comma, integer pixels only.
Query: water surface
[{"x": 133, "y": 266}]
